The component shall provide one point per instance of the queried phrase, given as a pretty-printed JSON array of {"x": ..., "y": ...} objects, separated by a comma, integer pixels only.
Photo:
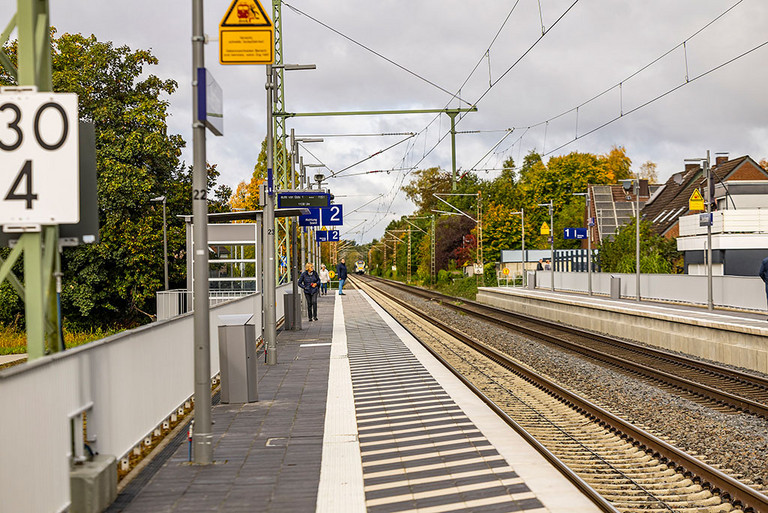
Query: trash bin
[
  {"x": 531, "y": 280},
  {"x": 615, "y": 287},
  {"x": 237, "y": 359}
]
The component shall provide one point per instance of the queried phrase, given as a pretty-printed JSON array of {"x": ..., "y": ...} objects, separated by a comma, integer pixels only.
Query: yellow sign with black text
[
  {"x": 545, "y": 229},
  {"x": 696, "y": 202},
  {"x": 246, "y": 34}
]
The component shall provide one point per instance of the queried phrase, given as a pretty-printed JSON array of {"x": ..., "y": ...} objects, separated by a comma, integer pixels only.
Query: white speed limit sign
[{"x": 39, "y": 162}]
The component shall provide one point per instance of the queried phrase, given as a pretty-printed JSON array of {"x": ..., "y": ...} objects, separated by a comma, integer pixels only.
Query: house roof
[{"x": 671, "y": 202}]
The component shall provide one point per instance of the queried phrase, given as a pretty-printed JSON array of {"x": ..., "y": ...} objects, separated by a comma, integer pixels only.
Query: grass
[{"x": 13, "y": 340}]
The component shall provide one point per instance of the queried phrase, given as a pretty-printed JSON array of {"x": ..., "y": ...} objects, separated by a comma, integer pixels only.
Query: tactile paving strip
[{"x": 419, "y": 450}]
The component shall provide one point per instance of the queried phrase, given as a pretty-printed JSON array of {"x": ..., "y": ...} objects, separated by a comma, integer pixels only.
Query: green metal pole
[
  {"x": 452, "y": 114},
  {"x": 34, "y": 68},
  {"x": 34, "y": 306}
]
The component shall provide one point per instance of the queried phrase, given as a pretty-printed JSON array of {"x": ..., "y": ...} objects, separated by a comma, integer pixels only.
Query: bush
[{"x": 443, "y": 277}]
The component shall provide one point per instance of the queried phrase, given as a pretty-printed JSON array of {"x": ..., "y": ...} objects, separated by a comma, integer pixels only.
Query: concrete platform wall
[{"x": 714, "y": 337}]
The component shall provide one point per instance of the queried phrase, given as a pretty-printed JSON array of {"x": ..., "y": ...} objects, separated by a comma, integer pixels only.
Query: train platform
[
  {"x": 356, "y": 416},
  {"x": 726, "y": 336}
]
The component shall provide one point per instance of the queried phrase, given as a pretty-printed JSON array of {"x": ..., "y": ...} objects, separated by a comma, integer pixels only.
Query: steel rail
[
  {"x": 699, "y": 389},
  {"x": 561, "y": 467},
  {"x": 739, "y": 494}
]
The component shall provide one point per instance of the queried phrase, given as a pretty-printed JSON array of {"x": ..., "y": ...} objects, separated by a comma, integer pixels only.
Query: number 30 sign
[{"x": 39, "y": 162}]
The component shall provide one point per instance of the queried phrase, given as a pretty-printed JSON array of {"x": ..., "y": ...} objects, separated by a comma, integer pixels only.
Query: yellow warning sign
[
  {"x": 696, "y": 202},
  {"x": 246, "y": 34},
  {"x": 545, "y": 229},
  {"x": 505, "y": 271}
]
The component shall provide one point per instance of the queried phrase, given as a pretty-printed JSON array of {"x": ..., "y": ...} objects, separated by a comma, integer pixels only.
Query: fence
[
  {"x": 128, "y": 384},
  {"x": 171, "y": 303}
]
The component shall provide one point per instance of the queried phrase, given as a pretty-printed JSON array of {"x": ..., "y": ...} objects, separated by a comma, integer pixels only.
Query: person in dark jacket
[
  {"x": 341, "y": 272},
  {"x": 310, "y": 282},
  {"x": 763, "y": 273}
]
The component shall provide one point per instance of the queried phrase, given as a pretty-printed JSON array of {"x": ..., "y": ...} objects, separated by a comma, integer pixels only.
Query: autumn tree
[{"x": 647, "y": 172}]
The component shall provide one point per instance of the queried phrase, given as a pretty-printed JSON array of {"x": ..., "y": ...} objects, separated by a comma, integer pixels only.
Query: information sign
[
  {"x": 311, "y": 219},
  {"x": 302, "y": 199},
  {"x": 40, "y": 182},
  {"x": 696, "y": 201},
  {"x": 327, "y": 235},
  {"x": 574, "y": 233},
  {"x": 705, "y": 219},
  {"x": 332, "y": 216},
  {"x": 246, "y": 34},
  {"x": 210, "y": 102}
]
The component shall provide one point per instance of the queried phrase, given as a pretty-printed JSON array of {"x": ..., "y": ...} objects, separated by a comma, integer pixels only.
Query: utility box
[
  {"x": 237, "y": 359},
  {"x": 531, "y": 280},
  {"x": 615, "y": 287},
  {"x": 93, "y": 484}
]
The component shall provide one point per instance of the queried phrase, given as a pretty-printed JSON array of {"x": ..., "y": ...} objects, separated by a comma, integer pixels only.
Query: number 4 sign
[
  {"x": 332, "y": 216},
  {"x": 39, "y": 162}
]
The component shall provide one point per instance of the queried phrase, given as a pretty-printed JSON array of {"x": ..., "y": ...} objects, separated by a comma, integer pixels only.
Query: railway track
[
  {"x": 713, "y": 385},
  {"x": 623, "y": 466}
]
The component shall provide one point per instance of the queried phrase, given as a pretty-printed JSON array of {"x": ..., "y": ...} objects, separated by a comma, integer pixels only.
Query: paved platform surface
[{"x": 356, "y": 416}]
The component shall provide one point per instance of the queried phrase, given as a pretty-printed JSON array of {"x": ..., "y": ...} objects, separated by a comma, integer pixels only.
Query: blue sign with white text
[
  {"x": 332, "y": 216},
  {"x": 311, "y": 219},
  {"x": 327, "y": 235},
  {"x": 575, "y": 233}
]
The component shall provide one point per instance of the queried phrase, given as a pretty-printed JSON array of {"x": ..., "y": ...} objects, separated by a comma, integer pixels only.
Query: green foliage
[
  {"x": 658, "y": 255},
  {"x": 113, "y": 283},
  {"x": 443, "y": 277}
]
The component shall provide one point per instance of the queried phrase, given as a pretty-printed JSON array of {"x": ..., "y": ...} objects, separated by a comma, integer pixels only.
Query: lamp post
[
  {"x": 522, "y": 230},
  {"x": 551, "y": 208},
  {"x": 165, "y": 240},
  {"x": 268, "y": 260},
  {"x": 295, "y": 165},
  {"x": 708, "y": 174},
  {"x": 203, "y": 433},
  {"x": 589, "y": 241},
  {"x": 633, "y": 185}
]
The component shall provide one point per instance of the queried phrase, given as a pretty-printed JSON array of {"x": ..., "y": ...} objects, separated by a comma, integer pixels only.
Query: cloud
[{"x": 592, "y": 48}]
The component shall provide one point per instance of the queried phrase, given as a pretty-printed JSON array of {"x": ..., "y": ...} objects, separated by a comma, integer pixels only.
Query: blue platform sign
[
  {"x": 311, "y": 219},
  {"x": 575, "y": 233},
  {"x": 210, "y": 102},
  {"x": 332, "y": 216},
  {"x": 327, "y": 235}
]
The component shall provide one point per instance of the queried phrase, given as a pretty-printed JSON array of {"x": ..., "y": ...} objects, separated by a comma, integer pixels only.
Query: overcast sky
[{"x": 428, "y": 48}]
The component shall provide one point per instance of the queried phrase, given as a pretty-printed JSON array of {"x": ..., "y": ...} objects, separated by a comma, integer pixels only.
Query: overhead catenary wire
[{"x": 348, "y": 38}]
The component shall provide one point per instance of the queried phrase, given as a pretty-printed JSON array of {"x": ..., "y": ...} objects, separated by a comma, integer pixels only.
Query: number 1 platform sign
[{"x": 39, "y": 161}]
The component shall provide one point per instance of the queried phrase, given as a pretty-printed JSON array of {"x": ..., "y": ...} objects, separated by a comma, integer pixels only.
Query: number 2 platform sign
[{"x": 39, "y": 161}]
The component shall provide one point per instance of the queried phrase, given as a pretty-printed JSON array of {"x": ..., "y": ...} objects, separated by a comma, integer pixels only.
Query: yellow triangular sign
[
  {"x": 545, "y": 229},
  {"x": 246, "y": 13},
  {"x": 696, "y": 201}
]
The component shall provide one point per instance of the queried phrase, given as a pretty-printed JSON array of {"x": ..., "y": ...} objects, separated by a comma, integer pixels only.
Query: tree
[
  {"x": 648, "y": 172},
  {"x": 657, "y": 254},
  {"x": 617, "y": 164},
  {"x": 114, "y": 282},
  {"x": 425, "y": 183}
]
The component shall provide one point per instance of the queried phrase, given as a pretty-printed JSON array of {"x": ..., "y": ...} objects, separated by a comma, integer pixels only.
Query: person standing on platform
[
  {"x": 310, "y": 282},
  {"x": 763, "y": 273},
  {"x": 325, "y": 278},
  {"x": 341, "y": 272},
  {"x": 540, "y": 265}
]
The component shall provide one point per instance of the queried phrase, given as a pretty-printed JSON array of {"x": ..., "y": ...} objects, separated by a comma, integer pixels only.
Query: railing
[
  {"x": 128, "y": 384},
  {"x": 740, "y": 292},
  {"x": 727, "y": 221},
  {"x": 171, "y": 303}
]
